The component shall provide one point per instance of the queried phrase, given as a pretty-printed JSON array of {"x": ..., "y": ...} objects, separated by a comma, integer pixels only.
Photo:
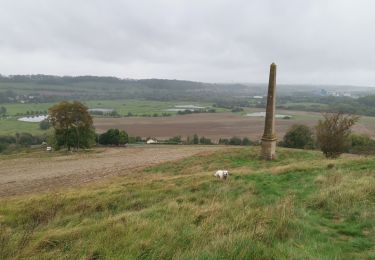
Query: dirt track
[{"x": 47, "y": 173}]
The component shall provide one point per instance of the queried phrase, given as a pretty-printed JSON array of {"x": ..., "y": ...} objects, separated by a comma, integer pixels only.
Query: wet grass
[{"x": 300, "y": 206}]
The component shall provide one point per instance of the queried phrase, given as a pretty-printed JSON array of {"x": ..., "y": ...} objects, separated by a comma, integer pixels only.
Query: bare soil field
[
  {"x": 40, "y": 171},
  {"x": 215, "y": 125}
]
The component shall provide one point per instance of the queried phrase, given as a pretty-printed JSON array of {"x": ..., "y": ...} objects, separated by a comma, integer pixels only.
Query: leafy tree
[
  {"x": 298, "y": 136},
  {"x": 45, "y": 124},
  {"x": 195, "y": 139},
  {"x": 73, "y": 125},
  {"x": 333, "y": 133},
  {"x": 3, "y": 111},
  {"x": 123, "y": 137}
]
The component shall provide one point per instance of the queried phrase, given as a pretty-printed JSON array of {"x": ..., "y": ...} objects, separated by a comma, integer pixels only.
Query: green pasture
[{"x": 123, "y": 107}]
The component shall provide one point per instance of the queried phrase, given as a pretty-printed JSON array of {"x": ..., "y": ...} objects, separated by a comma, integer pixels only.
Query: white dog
[{"x": 222, "y": 174}]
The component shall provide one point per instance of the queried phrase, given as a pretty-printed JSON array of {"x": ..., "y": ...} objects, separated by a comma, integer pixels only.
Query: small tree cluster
[
  {"x": 113, "y": 137},
  {"x": 196, "y": 140},
  {"x": 235, "y": 141},
  {"x": 20, "y": 140}
]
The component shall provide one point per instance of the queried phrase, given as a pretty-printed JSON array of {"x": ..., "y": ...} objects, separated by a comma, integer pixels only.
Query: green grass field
[
  {"x": 300, "y": 206},
  {"x": 12, "y": 126},
  {"x": 123, "y": 107},
  {"x": 305, "y": 104}
]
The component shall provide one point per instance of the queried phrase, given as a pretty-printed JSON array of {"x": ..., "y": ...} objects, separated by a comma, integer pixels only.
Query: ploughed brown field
[
  {"x": 41, "y": 171},
  {"x": 214, "y": 125}
]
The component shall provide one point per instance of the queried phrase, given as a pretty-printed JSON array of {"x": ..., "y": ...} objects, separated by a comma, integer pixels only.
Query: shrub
[
  {"x": 298, "y": 136},
  {"x": 333, "y": 133},
  {"x": 361, "y": 144}
]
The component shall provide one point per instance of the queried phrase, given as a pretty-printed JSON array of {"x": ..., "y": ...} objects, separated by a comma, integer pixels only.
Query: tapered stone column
[{"x": 269, "y": 136}]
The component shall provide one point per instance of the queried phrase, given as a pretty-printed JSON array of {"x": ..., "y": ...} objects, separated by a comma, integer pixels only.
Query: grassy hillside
[{"x": 300, "y": 206}]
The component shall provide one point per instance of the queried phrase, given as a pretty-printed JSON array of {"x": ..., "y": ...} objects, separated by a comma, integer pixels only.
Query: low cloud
[{"x": 312, "y": 41}]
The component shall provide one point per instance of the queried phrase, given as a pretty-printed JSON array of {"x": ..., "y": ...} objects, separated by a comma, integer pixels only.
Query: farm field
[
  {"x": 42, "y": 171},
  {"x": 301, "y": 206},
  {"x": 212, "y": 125},
  {"x": 216, "y": 125},
  {"x": 123, "y": 107}
]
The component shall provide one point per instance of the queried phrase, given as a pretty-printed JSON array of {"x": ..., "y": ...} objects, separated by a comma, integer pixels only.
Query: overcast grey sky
[{"x": 312, "y": 41}]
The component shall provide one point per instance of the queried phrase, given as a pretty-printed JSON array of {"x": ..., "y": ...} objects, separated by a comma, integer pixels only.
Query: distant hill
[{"x": 50, "y": 88}]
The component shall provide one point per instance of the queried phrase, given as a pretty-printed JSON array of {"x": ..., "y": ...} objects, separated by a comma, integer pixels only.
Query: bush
[
  {"x": 361, "y": 144},
  {"x": 298, "y": 136},
  {"x": 333, "y": 133}
]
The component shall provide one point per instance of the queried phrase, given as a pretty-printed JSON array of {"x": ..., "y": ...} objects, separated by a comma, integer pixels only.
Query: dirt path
[{"x": 48, "y": 173}]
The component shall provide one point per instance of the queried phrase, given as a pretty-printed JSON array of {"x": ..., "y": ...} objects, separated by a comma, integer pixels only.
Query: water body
[
  {"x": 263, "y": 114},
  {"x": 103, "y": 110},
  {"x": 184, "y": 107},
  {"x": 189, "y": 107},
  {"x": 33, "y": 119}
]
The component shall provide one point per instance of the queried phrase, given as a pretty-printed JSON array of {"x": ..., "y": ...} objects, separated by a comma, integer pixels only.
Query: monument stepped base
[{"x": 269, "y": 149}]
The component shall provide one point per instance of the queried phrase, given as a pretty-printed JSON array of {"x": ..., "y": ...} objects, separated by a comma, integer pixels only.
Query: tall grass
[{"x": 301, "y": 206}]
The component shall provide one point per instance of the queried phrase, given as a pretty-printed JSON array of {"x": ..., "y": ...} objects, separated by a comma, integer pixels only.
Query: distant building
[{"x": 257, "y": 97}]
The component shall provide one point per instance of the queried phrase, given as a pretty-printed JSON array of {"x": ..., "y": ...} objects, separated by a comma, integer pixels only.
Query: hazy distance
[{"x": 312, "y": 41}]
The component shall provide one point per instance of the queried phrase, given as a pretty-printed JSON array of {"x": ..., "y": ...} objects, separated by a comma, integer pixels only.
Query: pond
[
  {"x": 32, "y": 119},
  {"x": 263, "y": 114},
  {"x": 184, "y": 107},
  {"x": 103, "y": 110}
]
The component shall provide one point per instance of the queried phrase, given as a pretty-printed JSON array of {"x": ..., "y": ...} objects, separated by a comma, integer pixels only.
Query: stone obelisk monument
[{"x": 269, "y": 137}]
